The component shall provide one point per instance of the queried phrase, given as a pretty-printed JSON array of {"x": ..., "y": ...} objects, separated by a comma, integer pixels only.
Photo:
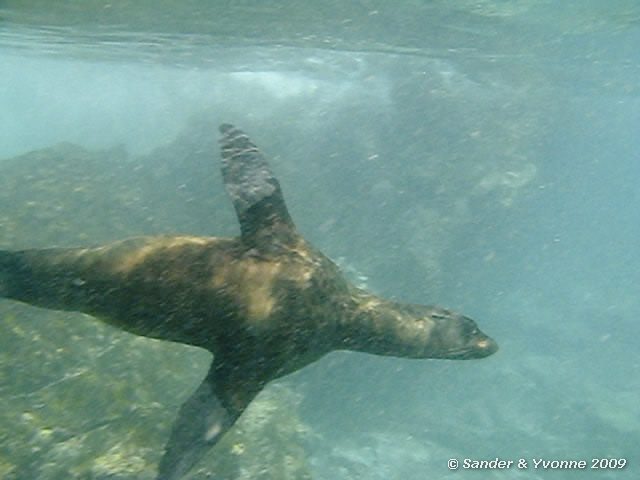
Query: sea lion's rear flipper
[
  {"x": 254, "y": 191},
  {"x": 5, "y": 259},
  {"x": 202, "y": 420}
]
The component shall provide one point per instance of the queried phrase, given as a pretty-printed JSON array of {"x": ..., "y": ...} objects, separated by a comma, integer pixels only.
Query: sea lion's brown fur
[{"x": 265, "y": 304}]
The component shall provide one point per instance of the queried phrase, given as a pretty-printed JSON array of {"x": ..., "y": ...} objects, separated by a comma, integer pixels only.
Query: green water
[{"x": 481, "y": 155}]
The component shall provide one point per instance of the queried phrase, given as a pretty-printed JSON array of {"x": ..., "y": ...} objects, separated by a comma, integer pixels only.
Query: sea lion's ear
[
  {"x": 202, "y": 420},
  {"x": 254, "y": 191}
]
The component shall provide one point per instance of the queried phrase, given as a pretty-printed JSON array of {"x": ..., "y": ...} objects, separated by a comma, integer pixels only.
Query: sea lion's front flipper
[
  {"x": 254, "y": 191},
  {"x": 202, "y": 420}
]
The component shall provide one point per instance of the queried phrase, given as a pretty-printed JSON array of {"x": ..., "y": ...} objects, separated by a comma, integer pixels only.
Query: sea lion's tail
[
  {"x": 9, "y": 265},
  {"x": 4, "y": 272}
]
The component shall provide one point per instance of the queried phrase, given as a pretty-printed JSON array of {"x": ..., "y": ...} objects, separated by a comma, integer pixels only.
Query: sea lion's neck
[{"x": 383, "y": 327}]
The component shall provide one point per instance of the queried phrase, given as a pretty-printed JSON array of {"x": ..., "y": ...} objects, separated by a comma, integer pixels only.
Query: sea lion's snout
[
  {"x": 479, "y": 345},
  {"x": 485, "y": 346}
]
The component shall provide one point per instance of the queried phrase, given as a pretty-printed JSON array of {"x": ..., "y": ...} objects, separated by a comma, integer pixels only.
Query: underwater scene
[{"x": 482, "y": 156}]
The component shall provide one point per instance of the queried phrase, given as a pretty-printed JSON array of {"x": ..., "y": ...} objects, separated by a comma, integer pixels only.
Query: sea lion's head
[
  {"x": 406, "y": 330},
  {"x": 456, "y": 337}
]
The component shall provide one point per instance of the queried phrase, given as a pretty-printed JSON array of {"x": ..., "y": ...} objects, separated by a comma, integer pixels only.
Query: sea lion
[{"x": 265, "y": 304}]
